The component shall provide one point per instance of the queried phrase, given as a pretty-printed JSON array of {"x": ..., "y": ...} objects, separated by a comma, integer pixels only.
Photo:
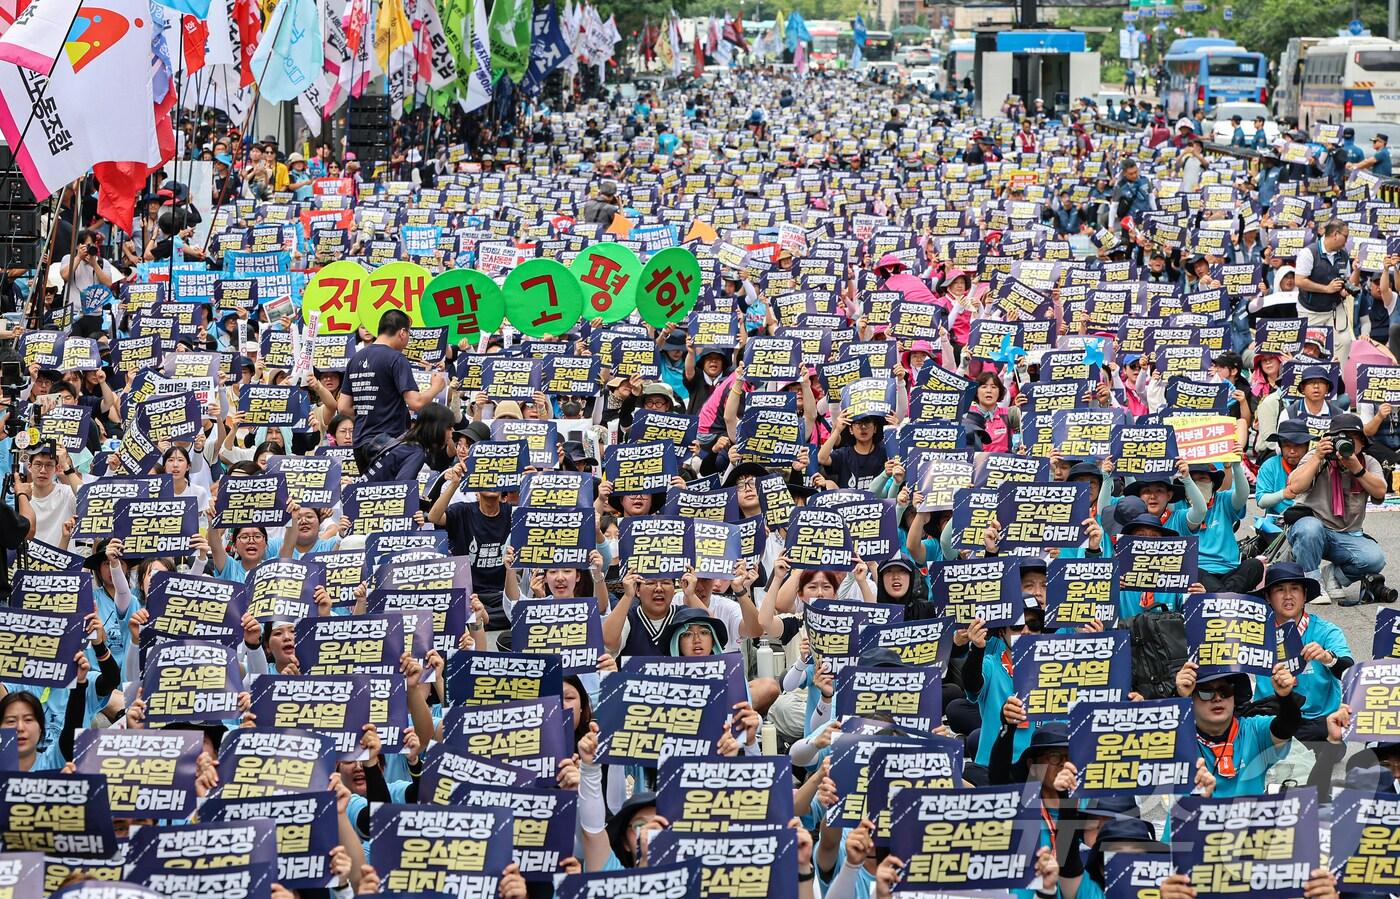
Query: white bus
[{"x": 1350, "y": 79}]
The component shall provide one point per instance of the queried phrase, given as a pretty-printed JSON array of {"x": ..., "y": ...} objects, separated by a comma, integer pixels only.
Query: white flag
[{"x": 478, "y": 47}]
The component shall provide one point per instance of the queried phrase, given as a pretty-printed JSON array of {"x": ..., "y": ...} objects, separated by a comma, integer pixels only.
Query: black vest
[{"x": 1324, "y": 272}]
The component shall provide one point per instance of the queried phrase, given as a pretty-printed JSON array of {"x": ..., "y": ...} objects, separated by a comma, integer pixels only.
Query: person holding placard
[
  {"x": 1317, "y": 649},
  {"x": 1237, "y": 750}
]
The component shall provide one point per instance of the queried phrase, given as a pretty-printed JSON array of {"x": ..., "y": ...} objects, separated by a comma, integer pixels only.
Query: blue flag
[
  {"x": 291, "y": 61},
  {"x": 858, "y": 32},
  {"x": 796, "y": 31},
  {"x": 548, "y": 49},
  {"x": 197, "y": 8}
]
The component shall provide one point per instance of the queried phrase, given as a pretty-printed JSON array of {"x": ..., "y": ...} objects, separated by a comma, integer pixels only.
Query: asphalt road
[{"x": 1358, "y": 622}]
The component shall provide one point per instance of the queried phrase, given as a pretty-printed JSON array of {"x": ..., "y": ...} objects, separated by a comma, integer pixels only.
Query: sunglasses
[{"x": 1219, "y": 691}]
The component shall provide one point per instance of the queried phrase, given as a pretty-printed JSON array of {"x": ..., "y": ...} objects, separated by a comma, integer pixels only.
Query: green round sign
[
  {"x": 607, "y": 274},
  {"x": 465, "y": 301},
  {"x": 338, "y": 293},
  {"x": 542, "y": 298},
  {"x": 398, "y": 285},
  {"x": 669, "y": 286}
]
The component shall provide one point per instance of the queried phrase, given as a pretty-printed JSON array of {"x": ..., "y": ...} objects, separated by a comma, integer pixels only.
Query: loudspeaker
[
  {"x": 21, "y": 231},
  {"x": 369, "y": 129}
]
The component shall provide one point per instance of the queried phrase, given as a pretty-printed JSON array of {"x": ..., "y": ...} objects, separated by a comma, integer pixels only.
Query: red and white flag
[{"x": 73, "y": 116}]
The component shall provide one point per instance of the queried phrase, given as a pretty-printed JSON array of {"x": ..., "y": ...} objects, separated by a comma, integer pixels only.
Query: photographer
[
  {"x": 88, "y": 281},
  {"x": 1327, "y": 282},
  {"x": 1333, "y": 484}
]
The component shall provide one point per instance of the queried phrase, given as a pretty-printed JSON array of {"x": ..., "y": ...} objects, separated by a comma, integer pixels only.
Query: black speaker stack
[
  {"x": 369, "y": 130},
  {"x": 21, "y": 231}
]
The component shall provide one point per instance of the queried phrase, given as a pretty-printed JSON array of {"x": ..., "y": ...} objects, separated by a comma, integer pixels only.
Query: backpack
[{"x": 1158, "y": 640}]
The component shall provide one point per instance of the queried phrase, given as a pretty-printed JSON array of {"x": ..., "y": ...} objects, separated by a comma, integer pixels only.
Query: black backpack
[{"x": 1158, "y": 638}]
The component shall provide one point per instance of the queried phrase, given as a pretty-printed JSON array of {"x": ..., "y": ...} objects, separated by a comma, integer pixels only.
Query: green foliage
[{"x": 1262, "y": 25}]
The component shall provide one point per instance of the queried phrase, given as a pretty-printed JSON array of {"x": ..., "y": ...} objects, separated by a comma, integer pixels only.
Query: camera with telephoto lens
[{"x": 1344, "y": 447}]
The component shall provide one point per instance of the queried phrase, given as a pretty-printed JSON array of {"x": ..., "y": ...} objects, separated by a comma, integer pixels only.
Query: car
[
  {"x": 914, "y": 57},
  {"x": 1117, "y": 97},
  {"x": 1222, "y": 130},
  {"x": 1365, "y": 132},
  {"x": 930, "y": 78}
]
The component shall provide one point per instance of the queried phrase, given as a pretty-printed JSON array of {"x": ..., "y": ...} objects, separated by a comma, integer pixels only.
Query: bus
[
  {"x": 1288, "y": 89},
  {"x": 959, "y": 60},
  {"x": 879, "y": 45},
  {"x": 826, "y": 40},
  {"x": 1206, "y": 71},
  {"x": 1351, "y": 79}
]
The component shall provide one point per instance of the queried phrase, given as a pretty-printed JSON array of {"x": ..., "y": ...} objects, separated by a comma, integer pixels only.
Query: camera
[{"x": 1344, "y": 447}]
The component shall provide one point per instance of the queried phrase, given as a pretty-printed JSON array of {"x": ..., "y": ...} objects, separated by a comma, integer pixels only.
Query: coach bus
[
  {"x": 959, "y": 60},
  {"x": 1207, "y": 71},
  {"x": 1350, "y": 79}
]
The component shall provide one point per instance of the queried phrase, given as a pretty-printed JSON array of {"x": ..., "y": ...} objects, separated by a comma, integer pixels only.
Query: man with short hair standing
[{"x": 380, "y": 390}]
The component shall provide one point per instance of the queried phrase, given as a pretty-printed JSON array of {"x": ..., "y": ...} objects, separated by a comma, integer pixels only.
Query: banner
[
  {"x": 1133, "y": 748},
  {"x": 935, "y": 766},
  {"x": 491, "y": 678},
  {"x": 764, "y": 861},
  {"x": 1054, "y": 673},
  {"x": 1230, "y": 633},
  {"x": 977, "y": 839},
  {"x": 350, "y": 644},
  {"x": 987, "y": 588},
  {"x": 540, "y": 437},
  {"x": 1365, "y": 834},
  {"x": 726, "y": 669},
  {"x": 312, "y": 482},
  {"x": 447, "y": 611},
  {"x": 306, "y": 830},
  {"x": 66, "y": 426},
  {"x": 910, "y": 697},
  {"x": 97, "y": 502},
  {"x": 150, "y": 773},
  {"x": 267, "y": 761},
  {"x": 639, "y": 468},
  {"x": 1084, "y": 433},
  {"x": 924, "y": 643},
  {"x": 1266, "y": 846},
  {"x": 151, "y": 528},
  {"x": 532, "y": 734},
  {"x": 552, "y": 538},
  {"x": 283, "y": 590},
  {"x": 38, "y": 648},
  {"x": 56, "y": 814},
  {"x": 459, "y": 852},
  {"x": 715, "y": 794},
  {"x": 374, "y": 508},
  {"x": 1079, "y": 592},
  {"x": 188, "y": 606},
  {"x": 446, "y": 772},
  {"x": 1144, "y": 449},
  {"x": 1042, "y": 515},
  {"x": 544, "y": 824},
  {"x": 335, "y": 706},
  {"x": 647, "y": 720},
  {"x": 62, "y": 592},
  {"x": 495, "y": 466},
  {"x": 570, "y": 628},
  {"x": 1367, "y": 687},
  {"x": 273, "y": 406},
  {"x": 1377, "y": 384},
  {"x": 237, "y": 860},
  {"x": 1155, "y": 564},
  {"x": 818, "y": 540},
  {"x": 658, "y": 547},
  {"x": 557, "y": 490},
  {"x": 677, "y": 881},
  {"x": 251, "y": 502},
  {"x": 770, "y": 437},
  {"x": 1209, "y": 438},
  {"x": 1132, "y": 875},
  {"x": 188, "y": 681}
]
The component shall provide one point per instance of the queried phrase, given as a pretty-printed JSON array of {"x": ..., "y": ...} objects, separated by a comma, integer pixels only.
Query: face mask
[
  {"x": 610, "y": 549},
  {"x": 1012, "y": 638},
  {"x": 1207, "y": 490}
]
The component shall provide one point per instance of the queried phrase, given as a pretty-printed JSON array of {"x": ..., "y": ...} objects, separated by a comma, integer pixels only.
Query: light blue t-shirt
[
  {"x": 1321, "y": 691},
  {"x": 1271, "y": 479},
  {"x": 1254, "y": 754},
  {"x": 996, "y": 688},
  {"x": 1217, "y": 550}
]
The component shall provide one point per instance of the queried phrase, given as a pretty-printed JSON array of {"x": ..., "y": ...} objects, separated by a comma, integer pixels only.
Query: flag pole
[{"x": 249, "y": 117}]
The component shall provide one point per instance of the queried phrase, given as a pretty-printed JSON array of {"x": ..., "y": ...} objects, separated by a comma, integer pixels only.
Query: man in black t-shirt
[
  {"x": 479, "y": 530},
  {"x": 380, "y": 390}
]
